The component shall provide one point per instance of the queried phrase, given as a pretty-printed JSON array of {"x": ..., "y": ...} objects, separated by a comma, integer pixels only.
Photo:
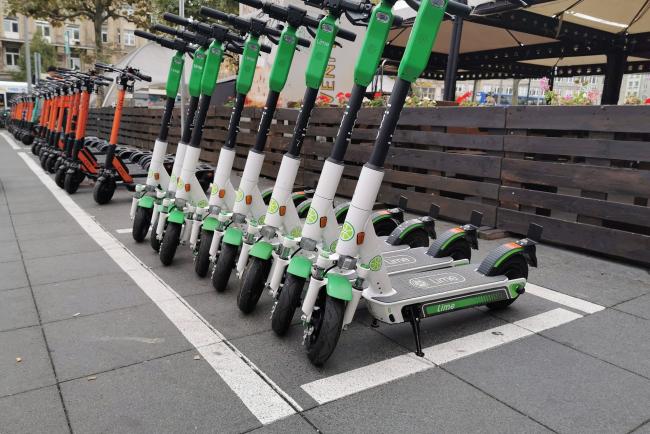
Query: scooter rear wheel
[
  {"x": 327, "y": 321},
  {"x": 202, "y": 258},
  {"x": 141, "y": 223},
  {"x": 104, "y": 190},
  {"x": 223, "y": 267},
  {"x": 252, "y": 283},
  {"x": 514, "y": 267},
  {"x": 170, "y": 242},
  {"x": 288, "y": 301}
]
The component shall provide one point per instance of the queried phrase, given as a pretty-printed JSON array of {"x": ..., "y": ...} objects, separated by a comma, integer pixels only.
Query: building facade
[{"x": 118, "y": 39}]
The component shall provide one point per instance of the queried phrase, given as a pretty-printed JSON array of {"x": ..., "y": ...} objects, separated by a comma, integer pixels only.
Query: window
[
  {"x": 44, "y": 28},
  {"x": 73, "y": 33},
  {"x": 11, "y": 57},
  {"x": 75, "y": 63},
  {"x": 10, "y": 26},
  {"x": 129, "y": 38},
  {"x": 104, "y": 35}
]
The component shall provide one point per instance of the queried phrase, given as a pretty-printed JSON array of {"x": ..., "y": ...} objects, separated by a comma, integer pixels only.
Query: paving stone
[
  {"x": 7, "y": 231},
  {"x": 639, "y": 306},
  {"x": 9, "y": 251},
  {"x": 558, "y": 386},
  {"x": 643, "y": 429},
  {"x": 69, "y": 267},
  {"x": 17, "y": 309},
  {"x": 610, "y": 335},
  {"x": 42, "y": 218},
  {"x": 45, "y": 232},
  {"x": 63, "y": 300},
  {"x": 96, "y": 343},
  {"x": 77, "y": 242},
  {"x": 36, "y": 411},
  {"x": 34, "y": 370},
  {"x": 13, "y": 275},
  {"x": 174, "y": 394},
  {"x": 430, "y": 401}
]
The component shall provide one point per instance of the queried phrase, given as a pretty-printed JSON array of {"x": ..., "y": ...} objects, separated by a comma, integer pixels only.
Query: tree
[
  {"x": 192, "y": 7},
  {"x": 38, "y": 45},
  {"x": 58, "y": 12}
]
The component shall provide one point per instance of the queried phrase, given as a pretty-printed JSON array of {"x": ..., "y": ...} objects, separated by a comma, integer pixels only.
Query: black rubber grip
[
  {"x": 265, "y": 48},
  {"x": 147, "y": 35},
  {"x": 346, "y": 34},
  {"x": 303, "y": 42},
  {"x": 458, "y": 9},
  {"x": 172, "y": 18},
  {"x": 257, "y": 4},
  {"x": 165, "y": 29}
]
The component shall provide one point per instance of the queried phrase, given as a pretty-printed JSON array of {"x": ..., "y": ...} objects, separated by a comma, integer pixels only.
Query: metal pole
[
  {"x": 181, "y": 12},
  {"x": 28, "y": 56},
  {"x": 452, "y": 59},
  {"x": 37, "y": 67}
]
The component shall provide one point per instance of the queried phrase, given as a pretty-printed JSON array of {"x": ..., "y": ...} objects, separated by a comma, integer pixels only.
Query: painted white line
[
  {"x": 567, "y": 300},
  {"x": 124, "y": 231},
  {"x": 358, "y": 380},
  {"x": 266, "y": 401},
  {"x": 11, "y": 141}
]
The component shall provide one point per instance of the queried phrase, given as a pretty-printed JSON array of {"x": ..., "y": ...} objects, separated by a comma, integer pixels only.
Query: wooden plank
[{"x": 611, "y": 242}]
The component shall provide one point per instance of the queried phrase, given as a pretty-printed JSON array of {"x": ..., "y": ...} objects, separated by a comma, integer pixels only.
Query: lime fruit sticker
[
  {"x": 240, "y": 196},
  {"x": 261, "y": 220},
  {"x": 375, "y": 263},
  {"x": 214, "y": 190},
  {"x": 333, "y": 246},
  {"x": 202, "y": 203},
  {"x": 295, "y": 232},
  {"x": 347, "y": 232},
  {"x": 273, "y": 206},
  {"x": 312, "y": 216}
]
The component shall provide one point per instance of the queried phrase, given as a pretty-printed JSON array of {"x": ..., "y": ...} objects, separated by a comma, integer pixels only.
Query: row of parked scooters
[{"x": 308, "y": 254}]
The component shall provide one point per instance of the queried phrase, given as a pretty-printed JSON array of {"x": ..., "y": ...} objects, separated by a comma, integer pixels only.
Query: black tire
[
  {"x": 458, "y": 250},
  {"x": 327, "y": 321},
  {"x": 36, "y": 148},
  {"x": 72, "y": 182},
  {"x": 252, "y": 283},
  {"x": 223, "y": 267},
  {"x": 153, "y": 239},
  {"x": 416, "y": 238},
  {"x": 514, "y": 267},
  {"x": 202, "y": 258},
  {"x": 59, "y": 176},
  {"x": 385, "y": 227},
  {"x": 43, "y": 160},
  {"x": 170, "y": 242},
  {"x": 104, "y": 190},
  {"x": 51, "y": 161},
  {"x": 58, "y": 163},
  {"x": 141, "y": 223},
  {"x": 288, "y": 302}
]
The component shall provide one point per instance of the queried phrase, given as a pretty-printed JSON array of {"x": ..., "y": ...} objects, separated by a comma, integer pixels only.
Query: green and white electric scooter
[
  {"x": 190, "y": 197},
  {"x": 331, "y": 299},
  {"x": 209, "y": 221},
  {"x": 148, "y": 196},
  {"x": 241, "y": 234}
]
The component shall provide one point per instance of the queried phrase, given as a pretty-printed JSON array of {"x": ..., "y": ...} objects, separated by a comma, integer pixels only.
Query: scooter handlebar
[
  {"x": 257, "y": 4},
  {"x": 165, "y": 29},
  {"x": 172, "y": 18},
  {"x": 453, "y": 7}
]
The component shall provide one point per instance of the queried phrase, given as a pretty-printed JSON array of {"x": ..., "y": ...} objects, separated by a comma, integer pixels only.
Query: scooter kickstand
[{"x": 415, "y": 325}]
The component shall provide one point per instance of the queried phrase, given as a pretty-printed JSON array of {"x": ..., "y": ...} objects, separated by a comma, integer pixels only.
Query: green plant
[
  {"x": 416, "y": 101},
  {"x": 377, "y": 100}
]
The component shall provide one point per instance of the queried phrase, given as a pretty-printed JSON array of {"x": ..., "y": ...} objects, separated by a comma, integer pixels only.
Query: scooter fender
[
  {"x": 262, "y": 250},
  {"x": 146, "y": 202},
  {"x": 210, "y": 224},
  {"x": 339, "y": 287},
  {"x": 233, "y": 236},
  {"x": 300, "y": 267},
  {"x": 176, "y": 216}
]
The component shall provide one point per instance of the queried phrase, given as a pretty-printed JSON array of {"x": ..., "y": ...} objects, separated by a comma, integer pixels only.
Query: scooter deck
[
  {"x": 411, "y": 260},
  {"x": 423, "y": 286}
]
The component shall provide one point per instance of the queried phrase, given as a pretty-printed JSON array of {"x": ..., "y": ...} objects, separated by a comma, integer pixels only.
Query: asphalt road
[{"x": 97, "y": 336}]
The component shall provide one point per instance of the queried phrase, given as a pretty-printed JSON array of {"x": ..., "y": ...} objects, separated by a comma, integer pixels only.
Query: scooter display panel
[
  {"x": 411, "y": 286},
  {"x": 412, "y": 260}
]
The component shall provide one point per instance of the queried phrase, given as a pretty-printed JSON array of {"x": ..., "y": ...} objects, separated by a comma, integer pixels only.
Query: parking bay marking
[
  {"x": 265, "y": 400},
  {"x": 124, "y": 231}
]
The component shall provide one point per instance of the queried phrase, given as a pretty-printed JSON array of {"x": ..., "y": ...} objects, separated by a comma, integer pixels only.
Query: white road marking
[
  {"x": 357, "y": 380},
  {"x": 560, "y": 298},
  {"x": 266, "y": 401},
  {"x": 124, "y": 231}
]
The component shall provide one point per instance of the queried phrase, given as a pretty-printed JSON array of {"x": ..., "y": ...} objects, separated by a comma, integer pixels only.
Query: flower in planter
[
  {"x": 343, "y": 98},
  {"x": 323, "y": 100},
  {"x": 461, "y": 99}
]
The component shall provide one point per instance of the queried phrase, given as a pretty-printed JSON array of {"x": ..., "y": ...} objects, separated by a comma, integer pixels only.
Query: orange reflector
[
  {"x": 457, "y": 230},
  {"x": 513, "y": 245},
  {"x": 360, "y": 237},
  {"x": 156, "y": 176},
  {"x": 187, "y": 187},
  {"x": 323, "y": 222},
  {"x": 283, "y": 210},
  {"x": 222, "y": 193},
  {"x": 249, "y": 199}
]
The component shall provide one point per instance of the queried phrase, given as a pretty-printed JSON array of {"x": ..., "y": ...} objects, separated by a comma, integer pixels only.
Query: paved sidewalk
[{"x": 100, "y": 337}]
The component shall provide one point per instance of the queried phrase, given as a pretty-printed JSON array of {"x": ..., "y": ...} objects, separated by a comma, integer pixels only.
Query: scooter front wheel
[
  {"x": 288, "y": 301},
  {"x": 252, "y": 283},
  {"x": 72, "y": 182},
  {"x": 202, "y": 259},
  {"x": 104, "y": 190},
  {"x": 59, "y": 176},
  {"x": 223, "y": 267},
  {"x": 170, "y": 242},
  {"x": 327, "y": 320},
  {"x": 141, "y": 223},
  {"x": 153, "y": 239}
]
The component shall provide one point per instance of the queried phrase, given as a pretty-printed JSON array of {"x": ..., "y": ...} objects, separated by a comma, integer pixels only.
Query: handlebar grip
[
  {"x": 213, "y": 13},
  {"x": 397, "y": 21},
  {"x": 173, "y": 18},
  {"x": 257, "y": 4},
  {"x": 142, "y": 76},
  {"x": 165, "y": 29},
  {"x": 346, "y": 34},
  {"x": 146, "y": 35},
  {"x": 303, "y": 42},
  {"x": 265, "y": 48},
  {"x": 458, "y": 9}
]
